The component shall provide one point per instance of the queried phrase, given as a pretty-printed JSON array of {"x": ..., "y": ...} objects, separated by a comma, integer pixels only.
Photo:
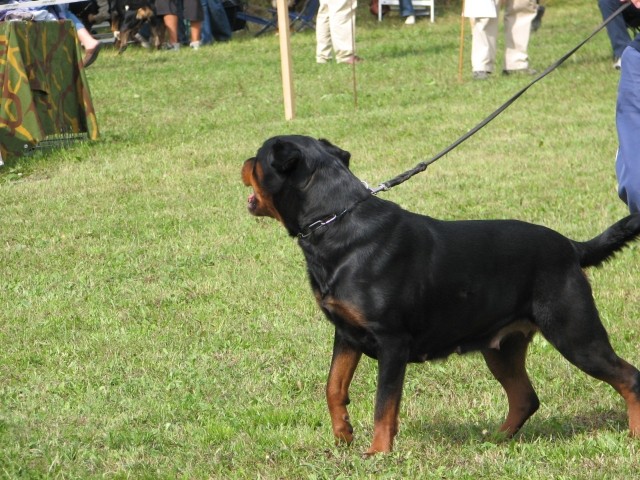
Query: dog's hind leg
[
  {"x": 573, "y": 326},
  {"x": 507, "y": 364},
  {"x": 343, "y": 365}
]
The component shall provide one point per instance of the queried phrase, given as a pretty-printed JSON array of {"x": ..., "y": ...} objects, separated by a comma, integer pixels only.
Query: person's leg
[
  {"x": 628, "y": 126},
  {"x": 144, "y": 35},
  {"x": 206, "y": 36},
  {"x": 406, "y": 10},
  {"x": 220, "y": 25},
  {"x": 91, "y": 45},
  {"x": 323, "y": 33},
  {"x": 196, "y": 28},
  {"x": 484, "y": 35},
  {"x": 171, "y": 24},
  {"x": 518, "y": 16},
  {"x": 166, "y": 9},
  {"x": 183, "y": 38},
  {"x": 342, "y": 22},
  {"x": 86, "y": 39},
  {"x": 194, "y": 14},
  {"x": 84, "y": 36},
  {"x": 617, "y": 28}
]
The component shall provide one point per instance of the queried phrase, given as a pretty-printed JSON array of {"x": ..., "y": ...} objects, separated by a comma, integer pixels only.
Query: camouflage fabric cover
[{"x": 44, "y": 87}]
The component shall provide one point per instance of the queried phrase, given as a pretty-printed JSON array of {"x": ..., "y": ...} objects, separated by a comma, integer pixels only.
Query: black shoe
[
  {"x": 520, "y": 71},
  {"x": 481, "y": 75}
]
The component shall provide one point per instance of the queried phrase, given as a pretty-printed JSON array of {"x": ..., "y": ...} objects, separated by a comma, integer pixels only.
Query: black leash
[{"x": 422, "y": 166}]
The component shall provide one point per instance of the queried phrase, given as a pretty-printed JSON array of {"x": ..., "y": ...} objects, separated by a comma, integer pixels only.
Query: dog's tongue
[{"x": 252, "y": 198}]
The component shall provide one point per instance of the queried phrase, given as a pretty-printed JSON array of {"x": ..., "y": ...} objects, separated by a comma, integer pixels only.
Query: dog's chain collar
[
  {"x": 309, "y": 229},
  {"x": 328, "y": 219}
]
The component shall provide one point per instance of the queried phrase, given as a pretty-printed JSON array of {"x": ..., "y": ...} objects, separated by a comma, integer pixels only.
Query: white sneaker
[
  {"x": 142, "y": 41},
  {"x": 195, "y": 45},
  {"x": 411, "y": 20}
]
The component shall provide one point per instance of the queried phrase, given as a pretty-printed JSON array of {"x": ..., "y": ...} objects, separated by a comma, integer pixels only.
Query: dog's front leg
[
  {"x": 392, "y": 364},
  {"x": 343, "y": 364}
]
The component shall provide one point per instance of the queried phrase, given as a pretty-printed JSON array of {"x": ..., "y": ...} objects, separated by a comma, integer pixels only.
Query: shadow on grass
[{"x": 551, "y": 427}]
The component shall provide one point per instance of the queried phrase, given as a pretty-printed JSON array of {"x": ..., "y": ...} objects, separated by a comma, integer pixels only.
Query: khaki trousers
[
  {"x": 518, "y": 15},
  {"x": 335, "y": 30}
]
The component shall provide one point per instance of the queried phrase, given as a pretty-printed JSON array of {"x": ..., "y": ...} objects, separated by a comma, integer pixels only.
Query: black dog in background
[
  {"x": 402, "y": 287},
  {"x": 86, "y": 12},
  {"x": 128, "y": 17}
]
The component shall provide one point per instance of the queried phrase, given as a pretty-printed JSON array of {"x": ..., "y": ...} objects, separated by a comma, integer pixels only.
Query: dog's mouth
[
  {"x": 259, "y": 202},
  {"x": 252, "y": 203}
]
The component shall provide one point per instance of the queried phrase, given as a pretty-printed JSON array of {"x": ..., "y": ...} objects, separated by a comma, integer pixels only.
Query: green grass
[{"x": 151, "y": 328}]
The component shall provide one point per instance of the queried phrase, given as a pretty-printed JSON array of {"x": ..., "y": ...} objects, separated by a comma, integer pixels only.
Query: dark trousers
[
  {"x": 216, "y": 24},
  {"x": 618, "y": 28}
]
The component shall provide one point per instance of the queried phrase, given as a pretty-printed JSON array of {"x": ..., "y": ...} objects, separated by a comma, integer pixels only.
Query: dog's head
[
  {"x": 145, "y": 12},
  {"x": 297, "y": 179}
]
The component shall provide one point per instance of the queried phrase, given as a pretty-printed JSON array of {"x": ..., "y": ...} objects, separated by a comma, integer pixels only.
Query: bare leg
[
  {"x": 171, "y": 25},
  {"x": 195, "y": 31}
]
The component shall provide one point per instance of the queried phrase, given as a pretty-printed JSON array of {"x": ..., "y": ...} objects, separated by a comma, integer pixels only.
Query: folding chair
[
  {"x": 266, "y": 23},
  {"x": 298, "y": 21},
  {"x": 305, "y": 18}
]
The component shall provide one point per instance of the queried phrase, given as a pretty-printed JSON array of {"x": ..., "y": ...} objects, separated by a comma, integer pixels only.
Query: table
[{"x": 45, "y": 93}]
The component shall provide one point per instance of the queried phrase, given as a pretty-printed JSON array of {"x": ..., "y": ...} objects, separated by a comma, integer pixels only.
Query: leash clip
[{"x": 380, "y": 188}]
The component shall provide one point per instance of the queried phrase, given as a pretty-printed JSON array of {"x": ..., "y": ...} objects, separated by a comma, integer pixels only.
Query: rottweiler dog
[{"x": 406, "y": 288}]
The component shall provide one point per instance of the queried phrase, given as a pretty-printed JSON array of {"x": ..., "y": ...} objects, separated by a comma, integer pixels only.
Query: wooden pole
[
  {"x": 285, "y": 60},
  {"x": 460, "y": 54}
]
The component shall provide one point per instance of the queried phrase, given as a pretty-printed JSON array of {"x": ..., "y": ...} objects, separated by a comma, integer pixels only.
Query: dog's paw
[
  {"x": 344, "y": 431},
  {"x": 497, "y": 436},
  {"x": 375, "y": 450}
]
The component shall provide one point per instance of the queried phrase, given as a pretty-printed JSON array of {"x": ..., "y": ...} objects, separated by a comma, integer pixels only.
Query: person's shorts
[{"x": 192, "y": 9}]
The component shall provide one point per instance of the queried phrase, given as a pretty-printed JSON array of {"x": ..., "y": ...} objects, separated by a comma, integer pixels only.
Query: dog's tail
[{"x": 603, "y": 247}]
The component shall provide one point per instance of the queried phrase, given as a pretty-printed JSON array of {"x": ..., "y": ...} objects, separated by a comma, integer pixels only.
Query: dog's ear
[
  {"x": 285, "y": 156},
  {"x": 343, "y": 155}
]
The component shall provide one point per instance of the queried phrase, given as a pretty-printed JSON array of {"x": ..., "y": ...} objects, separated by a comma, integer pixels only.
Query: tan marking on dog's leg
[
  {"x": 633, "y": 410},
  {"x": 347, "y": 312},
  {"x": 343, "y": 365},
  {"x": 385, "y": 428},
  {"x": 629, "y": 389},
  {"x": 508, "y": 367},
  {"x": 393, "y": 354}
]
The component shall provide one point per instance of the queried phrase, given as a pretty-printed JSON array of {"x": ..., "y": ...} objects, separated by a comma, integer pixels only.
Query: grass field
[{"x": 151, "y": 328}]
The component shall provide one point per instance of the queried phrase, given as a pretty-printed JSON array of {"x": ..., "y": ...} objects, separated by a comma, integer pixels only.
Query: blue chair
[
  {"x": 305, "y": 18},
  {"x": 298, "y": 20},
  {"x": 266, "y": 24}
]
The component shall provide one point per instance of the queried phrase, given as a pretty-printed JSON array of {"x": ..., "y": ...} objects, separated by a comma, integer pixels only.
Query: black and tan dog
[
  {"x": 128, "y": 17},
  {"x": 402, "y": 287}
]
